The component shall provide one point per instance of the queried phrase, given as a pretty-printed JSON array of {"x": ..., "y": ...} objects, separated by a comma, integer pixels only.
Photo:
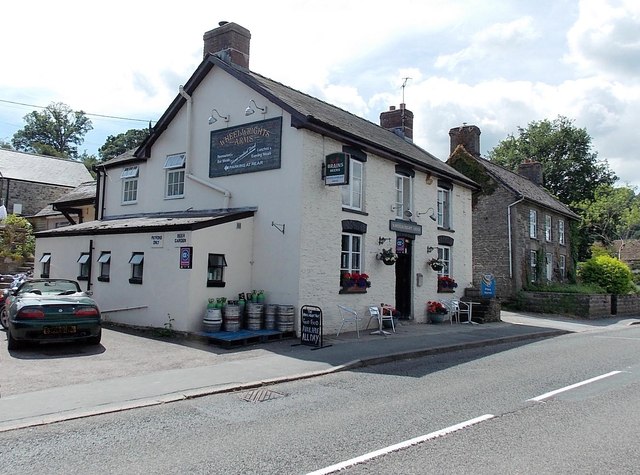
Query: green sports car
[{"x": 44, "y": 310}]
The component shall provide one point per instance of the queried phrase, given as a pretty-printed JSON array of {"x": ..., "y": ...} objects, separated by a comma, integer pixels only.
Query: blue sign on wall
[{"x": 488, "y": 286}]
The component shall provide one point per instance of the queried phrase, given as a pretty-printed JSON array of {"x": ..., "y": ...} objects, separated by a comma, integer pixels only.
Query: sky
[{"x": 497, "y": 64}]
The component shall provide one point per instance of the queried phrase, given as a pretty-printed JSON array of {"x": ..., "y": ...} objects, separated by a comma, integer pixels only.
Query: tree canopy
[
  {"x": 55, "y": 131},
  {"x": 118, "y": 144},
  {"x": 571, "y": 169}
]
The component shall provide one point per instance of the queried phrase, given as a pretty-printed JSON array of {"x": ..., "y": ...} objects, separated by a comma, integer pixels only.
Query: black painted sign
[
  {"x": 247, "y": 148},
  {"x": 311, "y": 326},
  {"x": 405, "y": 227},
  {"x": 336, "y": 169}
]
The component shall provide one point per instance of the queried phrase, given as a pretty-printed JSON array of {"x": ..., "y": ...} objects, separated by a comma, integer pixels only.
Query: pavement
[{"x": 205, "y": 370}]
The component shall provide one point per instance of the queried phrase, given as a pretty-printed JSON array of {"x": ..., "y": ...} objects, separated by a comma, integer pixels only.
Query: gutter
[{"x": 225, "y": 192}]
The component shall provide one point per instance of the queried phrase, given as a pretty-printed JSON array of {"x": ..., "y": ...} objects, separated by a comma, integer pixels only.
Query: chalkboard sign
[
  {"x": 246, "y": 148},
  {"x": 311, "y": 326}
]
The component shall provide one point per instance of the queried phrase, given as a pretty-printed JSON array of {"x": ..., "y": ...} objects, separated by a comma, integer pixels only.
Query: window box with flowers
[
  {"x": 387, "y": 256},
  {"x": 354, "y": 282},
  {"x": 446, "y": 284},
  {"x": 436, "y": 311}
]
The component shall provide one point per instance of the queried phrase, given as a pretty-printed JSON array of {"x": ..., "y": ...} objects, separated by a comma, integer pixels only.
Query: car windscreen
[{"x": 49, "y": 287}]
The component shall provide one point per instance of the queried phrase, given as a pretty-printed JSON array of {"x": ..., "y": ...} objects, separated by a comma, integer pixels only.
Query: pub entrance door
[{"x": 403, "y": 277}]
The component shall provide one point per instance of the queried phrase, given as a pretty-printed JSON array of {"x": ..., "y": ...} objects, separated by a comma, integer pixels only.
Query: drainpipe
[
  {"x": 510, "y": 238},
  {"x": 225, "y": 192}
]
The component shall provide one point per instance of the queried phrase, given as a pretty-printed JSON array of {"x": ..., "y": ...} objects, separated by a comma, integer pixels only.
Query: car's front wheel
[
  {"x": 4, "y": 318},
  {"x": 12, "y": 343}
]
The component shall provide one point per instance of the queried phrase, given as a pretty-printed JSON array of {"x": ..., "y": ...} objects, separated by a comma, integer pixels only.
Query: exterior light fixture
[
  {"x": 213, "y": 120},
  {"x": 250, "y": 110},
  {"x": 432, "y": 215}
]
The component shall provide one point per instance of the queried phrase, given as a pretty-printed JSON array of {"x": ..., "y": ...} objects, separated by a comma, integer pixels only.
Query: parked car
[{"x": 44, "y": 310}]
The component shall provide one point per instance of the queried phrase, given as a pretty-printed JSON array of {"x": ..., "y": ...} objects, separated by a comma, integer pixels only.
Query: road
[{"x": 309, "y": 425}]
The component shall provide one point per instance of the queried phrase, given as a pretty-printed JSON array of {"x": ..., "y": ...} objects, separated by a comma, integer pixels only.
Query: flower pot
[
  {"x": 388, "y": 262},
  {"x": 437, "y": 317}
]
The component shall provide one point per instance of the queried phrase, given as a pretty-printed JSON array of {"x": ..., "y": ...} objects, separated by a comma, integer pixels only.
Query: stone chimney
[
  {"x": 230, "y": 42},
  {"x": 468, "y": 136},
  {"x": 399, "y": 121},
  {"x": 531, "y": 170}
]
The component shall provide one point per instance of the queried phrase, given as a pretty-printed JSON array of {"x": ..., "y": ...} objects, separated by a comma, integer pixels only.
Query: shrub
[
  {"x": 613, "y": 276},
  {"x": 16, "y": 238}
]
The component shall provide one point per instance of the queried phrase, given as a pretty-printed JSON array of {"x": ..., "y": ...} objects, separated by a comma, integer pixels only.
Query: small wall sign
[
  {"x": 336, "y": 169},
  {"x": 156, "y": 240},
  {"x": 186, "y": 257}
]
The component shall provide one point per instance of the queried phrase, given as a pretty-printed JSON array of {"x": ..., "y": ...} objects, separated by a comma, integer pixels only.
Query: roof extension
[{"x": 42, "y": 169}]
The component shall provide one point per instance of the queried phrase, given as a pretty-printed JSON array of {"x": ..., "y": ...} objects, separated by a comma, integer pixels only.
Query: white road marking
[
  {"x": 402, "y": 445},
  {"x": 567, "y": 388}
]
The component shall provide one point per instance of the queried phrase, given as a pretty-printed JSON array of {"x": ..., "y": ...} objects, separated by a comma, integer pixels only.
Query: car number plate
[{"x": 61, "y": 330}]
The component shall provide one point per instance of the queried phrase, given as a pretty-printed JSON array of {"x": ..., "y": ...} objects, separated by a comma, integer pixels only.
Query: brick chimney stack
[
  {"x": 230, "y": 42},
  {"x": 399, "y": 121},
  {"x": 468, "y": 136},
  {"x": 531, "y": 170}
]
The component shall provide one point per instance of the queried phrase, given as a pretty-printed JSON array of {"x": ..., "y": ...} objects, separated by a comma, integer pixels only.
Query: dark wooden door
[{"x": 403, "y": 281}]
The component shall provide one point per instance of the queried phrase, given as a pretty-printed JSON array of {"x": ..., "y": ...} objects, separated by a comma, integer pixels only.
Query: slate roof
[
  {"x": 526, "y": 188},
  {"x": 310, "y": 113},
  {"x": 152, "y": 222},
  {"x": 83, "y": 193},
  {"x": 42, "y": 169}
]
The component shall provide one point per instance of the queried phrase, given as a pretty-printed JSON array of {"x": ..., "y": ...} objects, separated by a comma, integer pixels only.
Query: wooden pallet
[{"x": 245, "y": 337}]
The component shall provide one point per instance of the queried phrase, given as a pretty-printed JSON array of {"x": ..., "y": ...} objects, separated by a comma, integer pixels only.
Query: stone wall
[
  {"x": 579, "y": 305},
  {"x": 32, "y": 196}
]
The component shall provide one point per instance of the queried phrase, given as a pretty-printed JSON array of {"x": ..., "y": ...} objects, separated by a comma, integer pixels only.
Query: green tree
[
  {"x": 571, "y": 170},
  {"x": 16, "y": 238},
  {"x": 5, "y": 145},
  {"x": 118, "y": 144},
  {"x": 609, "y": 273},
  {"x": 613, "y": 213},
  {"x": 56, "y": 131}
]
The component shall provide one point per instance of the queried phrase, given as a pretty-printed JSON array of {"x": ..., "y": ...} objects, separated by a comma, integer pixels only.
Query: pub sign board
[
  {"x": 246, "y": 148},
  {"x": 336, "y": 169},
  {"x": 311, "y": 326}
]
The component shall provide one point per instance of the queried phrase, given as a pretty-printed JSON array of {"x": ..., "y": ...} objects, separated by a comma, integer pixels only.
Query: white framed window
[
  {"x": 444, "y": 256},
  {"x": 561, "y": 238},
  {"x": 83, "y": 260},
  {"x": 444, "y": 208},
  {"x": 548, "y": 266},
  {"x": 45, "y": 260},
  {"x": 562, "y": 266},
  {"x": 533, "y": 224},
  {"x": 175, "y": 173},
  {"x": 404, "y": 193},
  {"x": 547, "y": 227},
  {"x": 533, "y": 265},
  {"x": 105, "y": 266},
  {"x": 351, "y": 254},
  {"x": 129, "y": 178},
  {"x": 215, "y": 270},
  {"x": 352, "y": 193},
  {"x": 137, "y": 267}
]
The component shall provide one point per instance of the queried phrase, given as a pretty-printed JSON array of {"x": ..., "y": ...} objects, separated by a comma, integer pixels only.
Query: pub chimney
[
  {"x": 399, "y": 121},
  {"x": 468, "y": 136},
  {"x": 230, "y": 42},
  {"x": 531, "y": 170}
]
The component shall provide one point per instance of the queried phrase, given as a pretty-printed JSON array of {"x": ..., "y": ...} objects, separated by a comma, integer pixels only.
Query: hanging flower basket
[
  {"x": 435, "y": 264},
  {"x": 387, "y": 256}
]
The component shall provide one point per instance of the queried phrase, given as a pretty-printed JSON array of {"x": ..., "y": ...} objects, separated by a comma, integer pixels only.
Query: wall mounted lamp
[
  {"x": 250, "y": 110},
  {"x": 213, "y": 120},
  {"x": 432, "y": 215}
]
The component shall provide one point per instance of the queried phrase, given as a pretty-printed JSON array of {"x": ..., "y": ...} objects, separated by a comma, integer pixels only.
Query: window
[
  {"x": 85, "y": 265},
  {"x": 215, "y": 270},
  {"x": 137, "y": 266},
  {"x": 352, "y": 193},
  {"x": 105, "y": 266},
  {"x": 350, "y": 259},
  {"x": 548, "y": 264},
  {"x": 533, "y": 264},
  {"x": 561, "y": 232},
  {"x": 444, "y": 256},
  {"x": 547, "y": 227},
  {"x": 45, "y": 260},
  {"x": 129, "y": 178},
  {"x": 403, "y": 196},
  {"x": 174, "y": 165},
  {"x": 562, "y": 266},
  {"x": 444, "y": 208},
  {"x": 533, "y": 224}
]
